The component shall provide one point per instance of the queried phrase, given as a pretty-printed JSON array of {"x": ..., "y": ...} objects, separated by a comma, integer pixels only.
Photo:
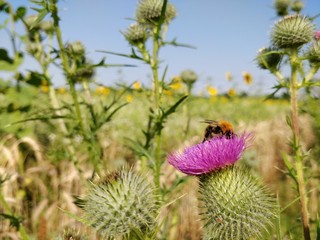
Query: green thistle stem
[
  {"x": 310, "y": 75},
  {"x": 154, "y": 67},
  {"x": 65, "y": 64},
  {"x": 296, "y": 139}
]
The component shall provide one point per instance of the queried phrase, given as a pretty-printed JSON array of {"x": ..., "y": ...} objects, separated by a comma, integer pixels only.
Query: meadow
[{"x": 90, "y": 161}]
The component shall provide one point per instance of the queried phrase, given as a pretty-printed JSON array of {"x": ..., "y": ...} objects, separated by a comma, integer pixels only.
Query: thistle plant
[
  {"x": 82, "y": 117},
  {"x": 293, "y": 38},
  {"x": 153, "y": 18},
  {"x": 123, "y": 204},
  {"x": 234, "y": 204}
]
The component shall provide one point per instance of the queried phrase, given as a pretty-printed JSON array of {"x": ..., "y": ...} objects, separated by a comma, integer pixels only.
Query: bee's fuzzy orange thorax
[{"x": 226, "y": 126}]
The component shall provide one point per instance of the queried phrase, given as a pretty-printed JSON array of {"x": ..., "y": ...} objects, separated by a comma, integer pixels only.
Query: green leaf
[
  {"x": 14, "y": 221},
  {"x": 4, "y": 56},
  {"x": 8, "y": 64},
  {"x": 41, "y": 15},
  {"x": 35, "y": 79},
  {"x": 133, "y": 55},
  {"x": 176, "y": 44},
  {"x": 173, "y": 108},
  {"x": 139, "y": 149}
]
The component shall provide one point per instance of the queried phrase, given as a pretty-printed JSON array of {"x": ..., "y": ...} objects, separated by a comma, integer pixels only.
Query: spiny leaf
[
  {"x": 14, "y": 221},
  {"x": 176, "y": 44},
  {"x": 41, "y": 15}
]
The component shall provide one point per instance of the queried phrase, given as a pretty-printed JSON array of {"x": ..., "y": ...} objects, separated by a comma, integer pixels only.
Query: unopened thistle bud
[
  {"x": 149, "y": 11},
  {"x": 281, "y": 7},
  {"x": 76, "y": 49},
  {"x": 268, "y": 58},
  {"x": 188, "y": 76},
  {"x": 313, "y": 53},
  {"x": 235, "y": 205},
  {"x": 292, "y": 31},
  {"x": 136, "y": 34},
  {"x": 297, "y": 6},
  {"x": 47, "y": 27},
  {"x": 122, "y": 203}
]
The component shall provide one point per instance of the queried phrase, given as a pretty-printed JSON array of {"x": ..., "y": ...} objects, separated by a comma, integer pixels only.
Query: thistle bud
[
  {"x": 136, "y": 34},
  {"x": 281, "y": 7},
  {"x": 292, "y": 31},
  {"x": 313, "y": 53},
  {"x": 188, "y": 76},
  {"x": 297, "y": 6},
  {"x": 76, "y": 49},
  {"x": 235, "y": 205},
  {"x": 268, "y": 58},
  {"x": 47, "y": 27},
  {"x": 122, "y": 203},
  {"x": 149, "y": 11}
]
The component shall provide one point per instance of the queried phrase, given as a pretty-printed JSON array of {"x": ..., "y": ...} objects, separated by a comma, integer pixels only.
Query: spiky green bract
[
  {"x": 268, "y": 58},
  {"x": 281, "y": 7},
  {"x": 71, "y": 234},
  {"x": 313, "y": 53},
  {"x": 235, "y": 205},
  {"x": 124, "y": 203},
  {"x": 136, "y": 34},
  {"x": 149, "y": 11},
  {"x": 292, "y": 31}
]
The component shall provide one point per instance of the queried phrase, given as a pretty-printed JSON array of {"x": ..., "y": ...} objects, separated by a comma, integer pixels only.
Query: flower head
[
  {"x": 292, "y": 31},
  {"x": 121, "y": 203},
  {"x": 247, "y": 77},
  {"x": 210, "y": 155}
]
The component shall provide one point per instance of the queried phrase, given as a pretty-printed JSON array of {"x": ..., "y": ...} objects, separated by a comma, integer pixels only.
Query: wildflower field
[{"x": 86, "y": 160}]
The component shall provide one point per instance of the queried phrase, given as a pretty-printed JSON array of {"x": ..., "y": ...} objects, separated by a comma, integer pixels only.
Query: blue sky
[{"x": 227, "y": 35}]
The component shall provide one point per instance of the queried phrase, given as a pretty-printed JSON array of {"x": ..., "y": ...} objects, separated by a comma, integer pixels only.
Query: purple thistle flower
[
  {"x": 210, "y": 155},
  {"x": 317, "y": 36}
]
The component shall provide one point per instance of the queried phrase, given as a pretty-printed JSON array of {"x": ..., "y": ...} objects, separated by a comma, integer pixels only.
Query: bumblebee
[{"x": 217, "y": 128}]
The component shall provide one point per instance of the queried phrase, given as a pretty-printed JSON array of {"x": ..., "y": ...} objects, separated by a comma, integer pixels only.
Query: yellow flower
[
  {"x": 44, "y": 88},
  {"x": 228, "y": 76},
  {"x": 167, "y": 92},
  {"x": 231, "y": 92},
  {"x": 176, "y": 85},
  {"x": 176, "y": 79},
  {"x": 247, "y": 77},
  {"x": 129, "y": 98},
  {"x": 61, "y": 90},
  {"x": 212, "y": 91},
  {"x": 101, "y": 90},
  {"x": 136, "y": 85}
]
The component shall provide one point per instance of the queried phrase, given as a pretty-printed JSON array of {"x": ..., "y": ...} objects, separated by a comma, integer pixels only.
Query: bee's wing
[{"x": 210, "y": 121}]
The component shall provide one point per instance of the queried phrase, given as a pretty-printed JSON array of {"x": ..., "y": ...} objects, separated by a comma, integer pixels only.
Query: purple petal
[{"x": 210, "y": 155}]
